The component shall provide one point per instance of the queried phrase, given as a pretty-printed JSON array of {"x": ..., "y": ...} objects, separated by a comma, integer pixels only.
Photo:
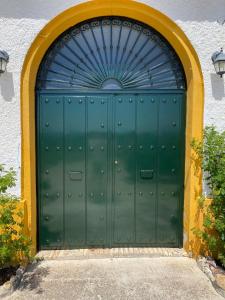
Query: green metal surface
[{"x": 110, "y": 169}]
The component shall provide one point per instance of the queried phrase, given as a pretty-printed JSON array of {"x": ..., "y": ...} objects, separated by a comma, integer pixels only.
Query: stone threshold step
[{"x": 110, "y": 253}]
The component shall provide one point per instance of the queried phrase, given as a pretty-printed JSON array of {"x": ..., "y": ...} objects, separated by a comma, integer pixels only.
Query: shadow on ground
[{"x": 33, "y": 278}]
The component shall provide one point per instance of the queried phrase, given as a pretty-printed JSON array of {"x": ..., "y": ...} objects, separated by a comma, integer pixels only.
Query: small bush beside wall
[
  {"x": 212, "y": 154},
  {"x": 14, "y": 244}
]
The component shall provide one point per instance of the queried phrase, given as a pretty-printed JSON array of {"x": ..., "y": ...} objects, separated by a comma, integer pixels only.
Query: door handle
[
  {"x": 75, "y": 175},
  {"x": 147, "y": 174}
]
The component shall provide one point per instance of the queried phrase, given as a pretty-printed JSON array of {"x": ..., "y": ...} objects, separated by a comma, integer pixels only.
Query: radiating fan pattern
[{"x": 114, "y": 53}]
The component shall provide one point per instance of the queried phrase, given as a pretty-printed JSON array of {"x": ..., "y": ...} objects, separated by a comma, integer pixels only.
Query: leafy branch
[{"x": 211, "y": 152}]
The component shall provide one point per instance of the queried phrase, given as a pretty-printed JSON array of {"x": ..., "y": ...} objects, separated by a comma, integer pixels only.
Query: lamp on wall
[
  {"x": 218, "y": 59},
  {"x": 4, "y": 59}
]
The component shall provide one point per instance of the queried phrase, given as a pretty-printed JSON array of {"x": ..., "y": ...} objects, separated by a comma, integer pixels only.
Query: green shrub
[
  {"x": 212, "y": 154},
  {"x": 14, "y": 244}
]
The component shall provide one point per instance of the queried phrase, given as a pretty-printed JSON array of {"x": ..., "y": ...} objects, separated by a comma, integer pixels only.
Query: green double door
[{"x": 110, "y": 169}]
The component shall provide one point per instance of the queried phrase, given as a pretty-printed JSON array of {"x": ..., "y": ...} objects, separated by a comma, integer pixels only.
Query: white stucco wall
[{"x": 20, "y": 22}]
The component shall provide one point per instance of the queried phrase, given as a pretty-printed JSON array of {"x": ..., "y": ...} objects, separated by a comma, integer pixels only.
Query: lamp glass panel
[
  {"x": 3, "y": 65},
  {"x": 217, "y": 67},
  {"x": 222, "y": 66}
]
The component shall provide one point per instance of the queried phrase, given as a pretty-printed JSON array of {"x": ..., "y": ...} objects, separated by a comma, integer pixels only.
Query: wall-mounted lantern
[
  {"x": 4, "y": 59},
  {"x": 218, "y": 59}
]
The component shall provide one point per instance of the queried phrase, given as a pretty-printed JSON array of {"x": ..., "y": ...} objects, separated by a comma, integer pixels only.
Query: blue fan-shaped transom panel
[{"x": 111, "y": 53}]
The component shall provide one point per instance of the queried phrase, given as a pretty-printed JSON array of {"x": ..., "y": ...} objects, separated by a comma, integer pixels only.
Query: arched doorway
[
  {"x": 194, "y": 104},
  {"x": 110, "y": 107}
]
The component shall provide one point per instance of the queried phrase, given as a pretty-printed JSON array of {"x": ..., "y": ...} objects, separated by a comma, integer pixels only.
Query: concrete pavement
[{"x": 116, "y": 278}]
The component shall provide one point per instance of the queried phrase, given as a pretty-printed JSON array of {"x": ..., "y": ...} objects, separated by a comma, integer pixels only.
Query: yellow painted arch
[{"x": 195, "y": 98}]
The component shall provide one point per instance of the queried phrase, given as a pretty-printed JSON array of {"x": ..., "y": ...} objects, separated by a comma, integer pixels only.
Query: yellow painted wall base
[{"x": 195, "y": 99}]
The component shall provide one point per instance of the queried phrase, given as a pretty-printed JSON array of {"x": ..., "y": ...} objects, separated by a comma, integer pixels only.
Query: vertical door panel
[
  {"x": 74, "y": 135},
  {"x": 170, "y": 170},
  {"x": 124, "y": 169},
  {"x": 146, "y": 168},
  {"x": 50, "y": 151},
  {"x": 97, "y": 169}
]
